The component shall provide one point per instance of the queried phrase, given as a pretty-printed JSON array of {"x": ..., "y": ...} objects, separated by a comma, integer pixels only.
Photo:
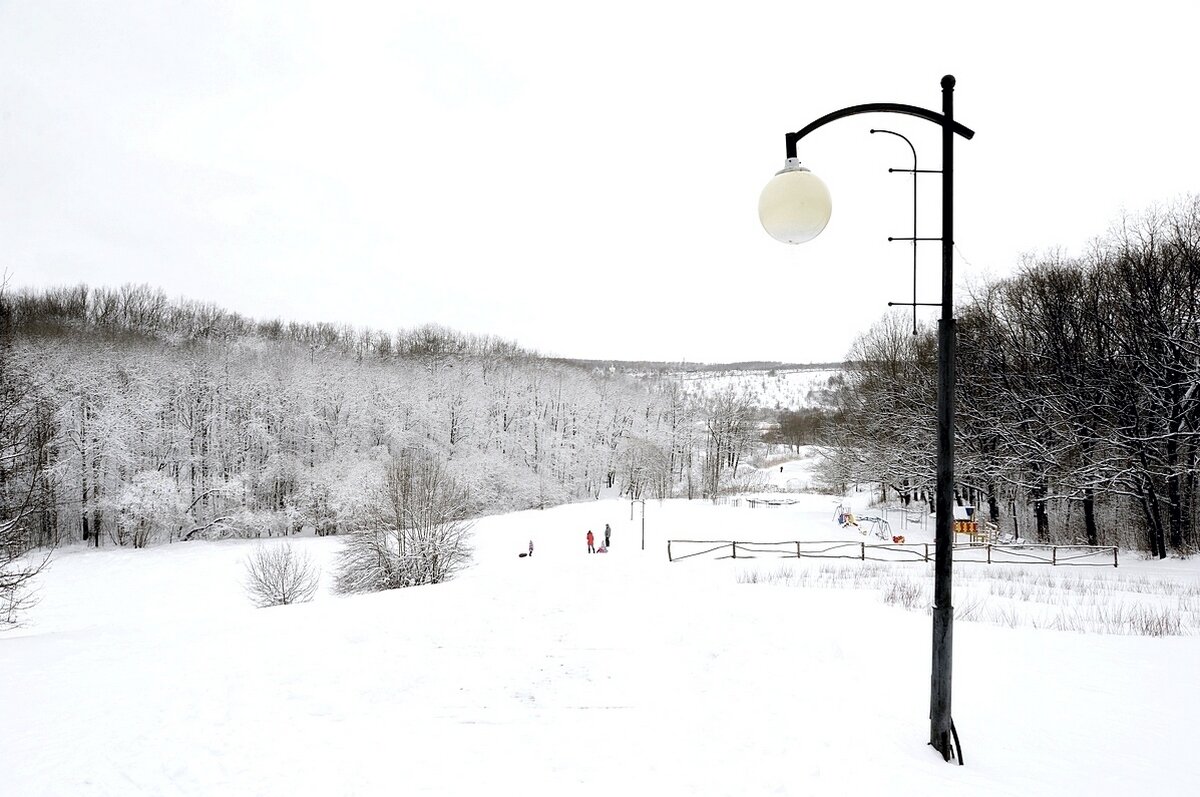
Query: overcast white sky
[{"x": 582, "y": 178}]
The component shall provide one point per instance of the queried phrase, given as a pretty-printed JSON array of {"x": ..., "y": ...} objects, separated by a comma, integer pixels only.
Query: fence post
[
  {"x": 863, "y": 555},
  {"x": 989, "y": 553},
  {"x": 669, "y": 559},
  {"x": 926, "y": 552},
  {"x": 1053, "y": 555},
  {"x": 797, "y": 549},
  {"x": 1114, "y": 556},
  {"x": 734, "y": 544}
]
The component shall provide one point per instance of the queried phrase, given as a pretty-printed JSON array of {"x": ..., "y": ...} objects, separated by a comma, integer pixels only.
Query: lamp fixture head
[{"x": 795, "y": 205}]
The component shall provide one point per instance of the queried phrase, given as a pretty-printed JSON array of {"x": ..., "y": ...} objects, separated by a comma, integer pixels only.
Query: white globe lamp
[{"x": 795, "y": 206}]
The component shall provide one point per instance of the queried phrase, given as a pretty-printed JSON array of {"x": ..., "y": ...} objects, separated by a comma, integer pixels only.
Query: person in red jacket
[{"x": 591, "y": 542}]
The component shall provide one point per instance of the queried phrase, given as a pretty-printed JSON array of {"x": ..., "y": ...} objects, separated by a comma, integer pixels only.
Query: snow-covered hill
[{"x": 775, "y": 389}]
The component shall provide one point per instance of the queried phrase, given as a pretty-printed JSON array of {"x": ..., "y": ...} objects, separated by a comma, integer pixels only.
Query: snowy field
[
  {"x": 150, "y": 673},
  {"x": 779, "y": 388}
]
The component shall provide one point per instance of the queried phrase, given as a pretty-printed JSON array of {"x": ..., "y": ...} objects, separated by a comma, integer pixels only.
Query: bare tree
[
  {"x": 278, "y": 575},
  {"x": 22, "y": 474},
  {"x": 729, "y": 423},
  {"x": 1078, "y": 388},
  {"x": 414, "y": 530}
]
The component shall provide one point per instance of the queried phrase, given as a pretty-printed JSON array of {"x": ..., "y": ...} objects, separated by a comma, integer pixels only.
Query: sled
[{"x": 522, "y": 555}]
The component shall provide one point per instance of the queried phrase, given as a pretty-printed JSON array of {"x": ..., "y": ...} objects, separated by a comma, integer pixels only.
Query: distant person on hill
[
  {"x": 531, "y": 547},
  {"x": 607, "y": 534},
  {"x": 591, "y": 542}
]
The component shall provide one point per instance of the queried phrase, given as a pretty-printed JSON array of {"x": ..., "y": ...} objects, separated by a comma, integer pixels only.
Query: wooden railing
[{"x": 989, "y": 553}]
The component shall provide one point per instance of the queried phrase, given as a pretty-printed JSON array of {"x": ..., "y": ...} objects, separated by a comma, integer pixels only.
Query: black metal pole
[
  {"x": 940, "y": 722},
  {"x": 941, "y": 727}
]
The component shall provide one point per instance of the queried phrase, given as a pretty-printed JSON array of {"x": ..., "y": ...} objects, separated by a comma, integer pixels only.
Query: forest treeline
[
  {"x": 145, "y": 311},
  {"x": 129, "y": 419},
  {"x": 1078, "y": 415}
]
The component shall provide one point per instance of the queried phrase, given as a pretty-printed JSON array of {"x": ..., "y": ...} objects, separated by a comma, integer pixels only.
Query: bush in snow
[
  {"x": 413, "y": 531},
  {"x": 147, "y": 508},
  {"x": 278, "y": 575}
]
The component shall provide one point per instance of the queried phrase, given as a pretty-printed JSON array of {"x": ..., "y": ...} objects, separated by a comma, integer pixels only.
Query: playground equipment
[{"x": 875, "y": 525}]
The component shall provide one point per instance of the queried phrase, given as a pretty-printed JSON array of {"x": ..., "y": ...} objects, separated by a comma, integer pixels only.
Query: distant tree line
[
  {"x": 146, "y": 311},
  {"x": 128, "y": 419},
  {"x": 1078, "y": 394}
]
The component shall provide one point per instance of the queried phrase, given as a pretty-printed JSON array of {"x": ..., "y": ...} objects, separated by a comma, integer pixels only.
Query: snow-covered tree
[
  {"x": 147, "y": 508},
  {"x": 414, "y": 530}
]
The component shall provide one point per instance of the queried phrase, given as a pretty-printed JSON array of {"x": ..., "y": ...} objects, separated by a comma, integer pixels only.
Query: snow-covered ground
[
  {"x": 149, "y": 672},
  {"x": 780, "y": 388},
  {"x": 796, "y": 474}
]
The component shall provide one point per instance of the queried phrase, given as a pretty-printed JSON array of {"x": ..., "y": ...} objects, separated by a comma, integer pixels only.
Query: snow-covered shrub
[
  {"x": 278, "y": 574},
  {"x": 413, "y": 529},
  {"x": 146, "y": 508},
  {"x": 259, "y": 523}
]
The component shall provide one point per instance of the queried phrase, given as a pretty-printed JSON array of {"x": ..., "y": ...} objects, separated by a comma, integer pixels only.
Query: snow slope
[
  {"x": 149, "y": 672},
  {"x": 776, "y": 388}
]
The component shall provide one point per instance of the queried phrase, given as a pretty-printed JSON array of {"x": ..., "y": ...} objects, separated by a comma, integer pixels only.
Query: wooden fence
[{"x": 981, "y": 553}]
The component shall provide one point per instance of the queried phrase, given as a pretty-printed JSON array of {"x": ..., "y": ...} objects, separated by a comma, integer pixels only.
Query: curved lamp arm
[{"x": 875, "y": 107}]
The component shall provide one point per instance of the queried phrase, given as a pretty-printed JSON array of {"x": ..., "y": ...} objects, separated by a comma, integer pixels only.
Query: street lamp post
[
  {"x": 641, "y": 501},
  {"x": 637, "y": 471},
  {"x": 794, "y": 208}
]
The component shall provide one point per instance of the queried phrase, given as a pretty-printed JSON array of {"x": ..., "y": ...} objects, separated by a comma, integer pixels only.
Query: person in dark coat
[
  {"x": 607, "y": 534},
  {"x": 531, "y": 547}
]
